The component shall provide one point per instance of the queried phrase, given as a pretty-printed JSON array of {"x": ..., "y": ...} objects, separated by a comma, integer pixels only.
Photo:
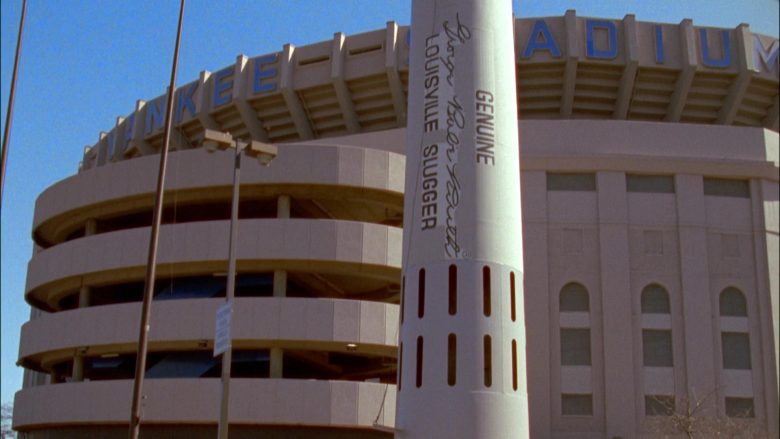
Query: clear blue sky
[{"x": 86, "y": 62}]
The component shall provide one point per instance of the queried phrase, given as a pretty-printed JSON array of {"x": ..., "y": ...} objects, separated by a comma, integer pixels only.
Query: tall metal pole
[
  {"x": 151, "y": 265},
  {"x": 463, "y": 343},
  {"x": 9, "y": 114},
  {"x": 227, "y": 357}
]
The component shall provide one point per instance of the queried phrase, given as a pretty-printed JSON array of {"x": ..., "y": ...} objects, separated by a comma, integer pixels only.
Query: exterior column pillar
[
  {"x": 619, "y": 383},
  {"x": 84, "y": 297},
  {"x": 90, "y": 228},
  {"x": 697, "y": 299},
  {"x": 766, "y": 224},
  {"x": 277, "y": 363},
  {"x": 283, "y": 206},
  {"x": 78, "y": 368},
  {"x": 280, "y": 283},
  {"x": 538, "y": 316},
  {"x": 280, "y": 290}
]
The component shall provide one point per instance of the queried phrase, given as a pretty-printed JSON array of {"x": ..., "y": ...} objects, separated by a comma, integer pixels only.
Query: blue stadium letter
[{"x": 592, "y": 52}]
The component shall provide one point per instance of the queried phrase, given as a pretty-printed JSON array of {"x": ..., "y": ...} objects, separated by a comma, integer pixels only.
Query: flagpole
[
  {"x": 10, "y": 112},
  {"x": 143, "y": 337}
]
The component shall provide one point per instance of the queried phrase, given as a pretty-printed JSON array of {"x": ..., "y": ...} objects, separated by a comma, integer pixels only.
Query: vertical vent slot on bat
[
  {"x": 486, "y": 290},
  {"x": 419, "y": 361},
  {"x": 453, "y": 289},
  {"x": 400, "y": 364},
  {"x": 421, "y": 294},
  {"x": 452, "y": 358},
  {"x": 512, "y": 295},
  {"x": 488, "y": 363},
  {"x": 403, "y": 297},
  {"x": 514, "y": 365}
]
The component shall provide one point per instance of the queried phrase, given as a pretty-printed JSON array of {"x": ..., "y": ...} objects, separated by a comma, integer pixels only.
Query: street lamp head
[
  {"x": 216, "y": 140},
  {"x": 264, "y": 152}
]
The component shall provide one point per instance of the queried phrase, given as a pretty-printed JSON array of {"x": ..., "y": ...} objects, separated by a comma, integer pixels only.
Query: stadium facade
[{"x": 649, "y": 160}]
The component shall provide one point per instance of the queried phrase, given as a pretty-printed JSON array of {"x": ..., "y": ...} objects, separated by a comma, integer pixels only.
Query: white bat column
[{"x": 462, "y": 368}]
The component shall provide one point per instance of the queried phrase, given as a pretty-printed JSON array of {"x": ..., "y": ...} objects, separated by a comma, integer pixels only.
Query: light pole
[{"x": 264, "y": 153}]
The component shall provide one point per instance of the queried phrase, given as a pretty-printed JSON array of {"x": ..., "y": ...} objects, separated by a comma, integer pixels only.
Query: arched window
[
  {"x": 574, "y": 298},
  {"x": 574, "y": 302},
  {"x": 736, "y": 352},
  {"x": 732, "y": 303},
  {"x": 656, "y": 342},
  {"x": 734, "y": 343},
  {"x": 655, "y": 300},
  {"x": 657, "y": 348}
]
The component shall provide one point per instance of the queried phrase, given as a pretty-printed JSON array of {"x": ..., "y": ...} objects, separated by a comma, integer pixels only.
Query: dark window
[
  {"x": 346, "y": 366},
  {"x": 71, "y": 301},
  {"x": 453, "y": 289},
  {"x": 78, "y": 233},
  {"x": 419, "y": 361},
  {"x": 736, "y": 350},
  {"x": 191, "y": 288},
  {"x": 726, "y": 188},
  {"x": 575, "y": 347},
  {"x": 183, "y": 365},
  {"x": 655, "y": 300},
  {"x": 421, "y": 294},
  {"x": 486, "y": 290},
  {"x": 488, "y": 361},
  {"x": 577, "y": 404},
  {"x": 650, "y": 183},
  {"x": 113, "y": 367},
  {"x": 657, "y": 348},
  {"x": 208, "y": 211},
  {"x": 659, "y": 405},
  {"x": 574, "y": 298},
  {"x": 62, "y": 372},
  {"x": 732, "y": 303},
  {"x": 571, "y": 182},
  {"x": 117, "y": 293},
  {"x": 452, "y": 359},
  {"x": 250, "y": 364},
  {"x": 247, "y": 285},
  {"x": 740, "y": 408},
  {"x": 254, "y": 285}
]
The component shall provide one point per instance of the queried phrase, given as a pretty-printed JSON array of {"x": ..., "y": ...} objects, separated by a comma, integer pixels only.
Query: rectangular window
[
  {"x": 740, "y": 408},
  {"x": 657, "y": 348},
  {"x": 659, "y": 405},
  {"x": 577, "y": 404},
  {"x": 723, "y": 187},
  {"x": 575, "y": 347},
  {"x": 571, "y": 182},
  {"x": 663, "y": 184},
  {"x": 736, "y": 350}
]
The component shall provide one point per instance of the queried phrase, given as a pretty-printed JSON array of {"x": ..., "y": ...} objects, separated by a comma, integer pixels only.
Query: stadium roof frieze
[{"x": 568, "y": 67}]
